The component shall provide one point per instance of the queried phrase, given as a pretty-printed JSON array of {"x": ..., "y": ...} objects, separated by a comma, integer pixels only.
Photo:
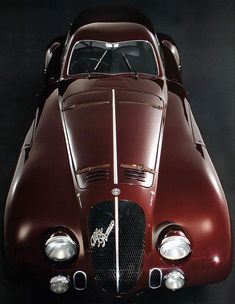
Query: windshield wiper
[
  {"x": 97, "y": 65},
  {"x": 100, "y": 60},
  {"x": 128, "y": 65}
]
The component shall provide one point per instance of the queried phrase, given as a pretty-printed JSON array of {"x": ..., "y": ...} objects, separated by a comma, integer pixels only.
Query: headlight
[
  {"x": 174, "y": 280},
  {"x": 59, "y": 284},
  {"x": 175, "y": 247},
  {"x": 60, "y": 247}
]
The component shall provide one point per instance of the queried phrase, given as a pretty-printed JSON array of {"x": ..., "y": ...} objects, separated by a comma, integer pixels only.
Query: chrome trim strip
[
  {"x": 69, "y": 152},
  {"x": 160, "y": 140},
  {"x": 150, "y": 272},
  {"x": 115, "y": 165},
  {"x": 85, "y": 276},
  {"x": 117, "y": 242},
  {"x": 91, "y": 168},
  {"x": 115, "y": 181},
  {"x": 84, "y": 105},
  {"x": 142, "y": 168},
  {"x": 142, "y": 104}
]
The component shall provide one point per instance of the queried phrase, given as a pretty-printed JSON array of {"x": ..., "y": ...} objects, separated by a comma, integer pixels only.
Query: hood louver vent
[
  {"x": 95, "y": 174},
  {"x": 137, "y": 175}
]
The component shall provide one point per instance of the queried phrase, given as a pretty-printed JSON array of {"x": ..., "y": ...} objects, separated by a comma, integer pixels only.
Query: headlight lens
[
  {"x": 59, "y": 284},
  {"x": 175, "y": 247},
  {"x": 60, "y": 247},
  {"x": 174, "y": 280}
]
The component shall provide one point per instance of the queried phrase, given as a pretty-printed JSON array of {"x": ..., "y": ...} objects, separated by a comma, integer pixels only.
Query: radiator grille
[{"x": 131, "y": 244}]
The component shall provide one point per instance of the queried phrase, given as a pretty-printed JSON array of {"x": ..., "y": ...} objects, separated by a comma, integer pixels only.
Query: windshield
[{"x": 112, "y": 58}]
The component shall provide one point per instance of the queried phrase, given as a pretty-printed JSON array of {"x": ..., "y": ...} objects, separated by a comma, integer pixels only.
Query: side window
[{"x": 53, "y": 59}]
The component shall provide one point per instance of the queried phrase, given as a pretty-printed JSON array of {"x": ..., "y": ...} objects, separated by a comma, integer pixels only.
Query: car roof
[
  {"x": 110, "y": 14},
  {"x": 113, "y": 32}
]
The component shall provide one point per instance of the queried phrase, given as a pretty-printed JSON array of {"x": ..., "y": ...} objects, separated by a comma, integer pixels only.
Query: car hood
[{"x": 109, "y": 121}]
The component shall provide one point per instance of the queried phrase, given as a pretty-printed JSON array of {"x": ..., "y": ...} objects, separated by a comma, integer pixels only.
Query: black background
[{"x": 204, "y": 33}]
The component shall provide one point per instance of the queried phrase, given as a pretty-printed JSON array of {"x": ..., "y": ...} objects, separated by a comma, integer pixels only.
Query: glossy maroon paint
[{"x": 155, "y": 127}]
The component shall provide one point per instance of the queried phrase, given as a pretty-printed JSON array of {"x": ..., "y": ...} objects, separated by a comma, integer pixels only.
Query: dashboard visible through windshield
[{"x": 112, "y": 58}]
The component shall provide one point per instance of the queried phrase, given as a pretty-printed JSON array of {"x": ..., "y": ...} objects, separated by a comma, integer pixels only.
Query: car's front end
[{"x": 113, "y": 193}]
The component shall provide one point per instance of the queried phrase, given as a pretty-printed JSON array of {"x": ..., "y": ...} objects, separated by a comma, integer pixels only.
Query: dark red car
[{"x": 114, "y": 189}]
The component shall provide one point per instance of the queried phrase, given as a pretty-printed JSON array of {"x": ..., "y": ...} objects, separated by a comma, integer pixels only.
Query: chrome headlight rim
[
  {"x": 60, "y": 247},
  {"x": 174, "y": 241},
  {"x": 61, "y": 237}
]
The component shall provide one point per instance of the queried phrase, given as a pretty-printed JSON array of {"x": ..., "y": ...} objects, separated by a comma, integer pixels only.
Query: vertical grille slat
[{"x": 131, "y": 244}]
